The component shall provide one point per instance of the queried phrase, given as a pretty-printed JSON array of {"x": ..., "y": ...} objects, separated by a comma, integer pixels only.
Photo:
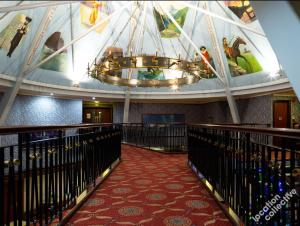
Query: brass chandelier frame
[{"x": 109, "y": 70}]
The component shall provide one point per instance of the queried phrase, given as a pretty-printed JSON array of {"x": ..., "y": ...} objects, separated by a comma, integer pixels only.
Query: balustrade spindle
[
  {"x": 49, "y": 167},
  {"x": 247, "y": 170}
]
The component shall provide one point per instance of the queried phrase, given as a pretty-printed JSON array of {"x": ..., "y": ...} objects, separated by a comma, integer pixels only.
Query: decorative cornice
[{"x": 38, "y": 88}]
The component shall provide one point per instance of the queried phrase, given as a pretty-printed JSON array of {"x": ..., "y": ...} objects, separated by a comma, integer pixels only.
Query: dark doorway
[
  {"x": 97, "y": 115},
  {"x": 281, "y": 118},
  {"x": 281, "y": 114},
  {"x": 97, "y": 112}
]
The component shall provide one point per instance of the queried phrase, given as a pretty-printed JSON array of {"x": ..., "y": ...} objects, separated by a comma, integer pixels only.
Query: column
[
  {"x": 126, "y": 106},
  {"x": 222, "y": 67}
]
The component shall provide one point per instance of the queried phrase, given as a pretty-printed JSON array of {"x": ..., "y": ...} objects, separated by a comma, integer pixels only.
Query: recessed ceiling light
[
  {"x": 174, "y": 87},
  {"x": 274, "y": 74},
  {"x": 51, "y": 94}
]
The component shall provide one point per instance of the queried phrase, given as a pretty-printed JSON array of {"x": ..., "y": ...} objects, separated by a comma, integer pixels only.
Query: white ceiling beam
[
  {"x": 192, "y": 43},
  {"x": 78, "y": 38},
  {"x": 172, "y": 45},
  {"x": 10, "y": 95},
  {"x": 34, "y": 5},
  {"x": 72, "y": 36},
  {"x": 140, "y": 36},
  {"x": 141, "y": 42},
  {"x": 132, "y": 35},
  {"x": 241, "y": 30},
  {"x": 192, "y": 31},
  {"x": 109, "y": 36},
  {"x": 157, "y": 34},
  {"x": 157, "y": 43},
  {"x": 191, "y": 35},
  {"x": 223, "y": 67},
  {"x": 6, "y": 13},
  {"x": 209, "y": 13}
]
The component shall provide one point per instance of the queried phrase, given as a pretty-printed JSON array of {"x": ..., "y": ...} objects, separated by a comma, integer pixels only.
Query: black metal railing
[
  {"x": 250, "y": 170},
  {"x": 167, "y": 137},
  {"x": 43, "y": 170},
  {"x": 49, "y": 167}
]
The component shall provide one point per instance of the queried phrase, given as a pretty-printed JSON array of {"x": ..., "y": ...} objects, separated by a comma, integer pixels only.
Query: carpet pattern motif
[{"x": 149, "y": 188}]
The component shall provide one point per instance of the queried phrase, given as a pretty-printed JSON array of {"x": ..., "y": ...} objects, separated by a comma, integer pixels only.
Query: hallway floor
[{"x": 149, "y": 188}]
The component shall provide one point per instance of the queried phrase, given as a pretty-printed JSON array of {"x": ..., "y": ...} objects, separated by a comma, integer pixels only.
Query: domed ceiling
[{"x": 53, "y": 42}]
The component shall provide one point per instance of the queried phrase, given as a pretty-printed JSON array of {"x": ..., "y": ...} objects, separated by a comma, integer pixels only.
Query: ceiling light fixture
[
  {"x": 76, "y": 84},
  {"x": 275, "y": 74},
  {"x": 109, "y": 69},
  {"x": 174, "y": 87}
]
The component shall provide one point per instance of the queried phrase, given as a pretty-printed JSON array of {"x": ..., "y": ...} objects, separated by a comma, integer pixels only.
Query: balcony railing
[
  {"x": 165, "y": 137},
  {"x": 254, "y": 170},
  {"x": 50, "y": 167},
  {"x": 44, "y": 170}
]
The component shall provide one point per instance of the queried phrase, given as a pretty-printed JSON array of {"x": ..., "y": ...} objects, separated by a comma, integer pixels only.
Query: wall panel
[{"x": 252, "y": 110}]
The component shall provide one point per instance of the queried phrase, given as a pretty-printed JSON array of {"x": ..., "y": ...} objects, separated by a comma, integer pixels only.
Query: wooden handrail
[
  {"x": 6, "y": 130},
  {"x": 282, "y": 132},
  {"x": 245, "y": 124}
]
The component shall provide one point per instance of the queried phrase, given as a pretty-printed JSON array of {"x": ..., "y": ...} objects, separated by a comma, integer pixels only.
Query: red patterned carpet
[{"x": 149, "y": 188}]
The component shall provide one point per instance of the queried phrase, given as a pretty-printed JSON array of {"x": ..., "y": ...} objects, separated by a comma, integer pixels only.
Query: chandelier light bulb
[
  {"x": 174, "y": 87},
  {"x": 109, "y": 70}
]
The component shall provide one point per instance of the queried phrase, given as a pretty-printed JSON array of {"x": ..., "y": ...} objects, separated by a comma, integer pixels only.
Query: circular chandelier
[{"x": 109, "y": 70}]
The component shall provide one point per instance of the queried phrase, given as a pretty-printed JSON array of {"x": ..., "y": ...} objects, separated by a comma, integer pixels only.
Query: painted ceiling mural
[
  {"x": 240, "y": 59},
  {"x": 204, "y": 66},
  {"x": 242, "y": 9},
  {"x": 92, "y": 12},
  {"x": 246, "y": 52},
  {"x": 59, "y": 62},
  {"x": 151, "y": 73},
  {"x": 167, "y": 28},
  {"x": 13, "y": 34}
]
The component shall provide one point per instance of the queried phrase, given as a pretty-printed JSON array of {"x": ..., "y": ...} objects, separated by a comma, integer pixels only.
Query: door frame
[
  {"x": 288, "y": 113},
  {"x": 107, "y": 107}
]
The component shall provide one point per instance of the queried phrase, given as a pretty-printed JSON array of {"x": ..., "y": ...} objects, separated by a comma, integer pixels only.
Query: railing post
[
  {"x": 60, "y": 165},
  {"x": 20, "y": 179},
  {"x": 226, "y": 163},
  {"x": 248, "y": 204},
  {"x": 94, "y": 148},
  {"x": 294, "y": 172},
  {"x": 1, "y": 185},
  {"x": 246, "y": 166}
]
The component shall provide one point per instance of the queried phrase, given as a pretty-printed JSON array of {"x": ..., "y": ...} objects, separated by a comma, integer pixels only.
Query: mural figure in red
[{"x": 205, "y": 53}]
